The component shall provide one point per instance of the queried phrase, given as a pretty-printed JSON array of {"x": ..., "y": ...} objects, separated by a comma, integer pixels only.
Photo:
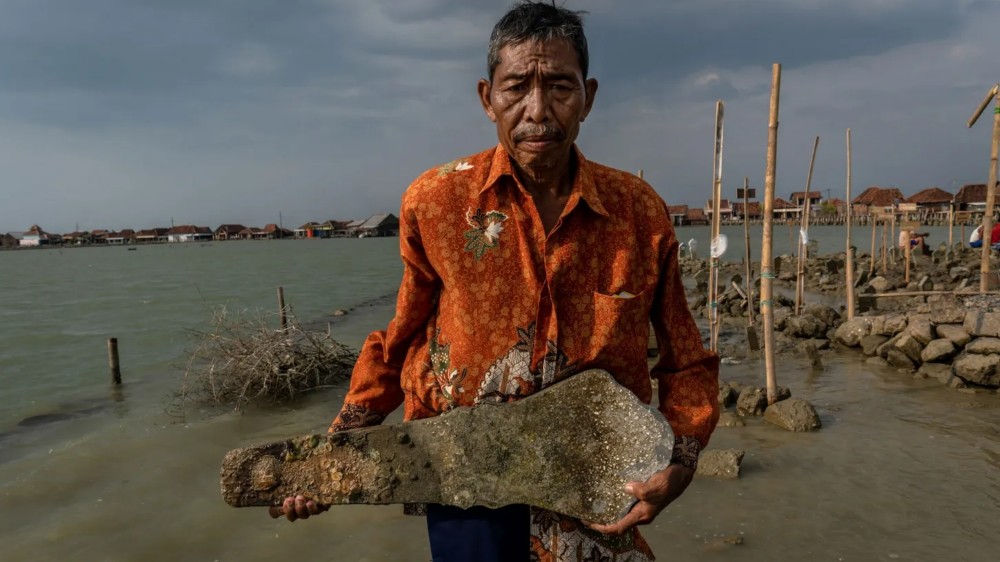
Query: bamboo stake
[
  {"x": 766, "y": 259},
  {"x": 907, "y": 253},
  {"x": 282, "y": 311},
  {"x": 746, "y": 243},
  {"x": 800, "y": 281},
  {"x": 925, "y": 294},
  {"x": 871, "y": 266},
  {"x": 640, "y": 173},
  {"x": 984, "y": 263},
  {"x": 951, "y": 228},
  {"x": 116, "y": 371},
  {"x": 850, "y": 252},
  {"x": 885, "y": 250},
  {"x": 892, "y": 235},
  {"x": 716, "y": 224}
]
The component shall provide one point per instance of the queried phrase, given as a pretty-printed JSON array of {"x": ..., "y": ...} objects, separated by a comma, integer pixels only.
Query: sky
[{"x": 141, "y": 113}]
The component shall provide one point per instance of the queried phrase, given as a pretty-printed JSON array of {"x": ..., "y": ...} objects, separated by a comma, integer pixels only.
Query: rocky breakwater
[{"x": 954, "y": 339}]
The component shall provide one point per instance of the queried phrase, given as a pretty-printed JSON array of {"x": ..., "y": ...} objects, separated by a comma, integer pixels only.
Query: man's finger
[
  {"x": 631, "y": 519},
  {"x": 288, "y": 506}
]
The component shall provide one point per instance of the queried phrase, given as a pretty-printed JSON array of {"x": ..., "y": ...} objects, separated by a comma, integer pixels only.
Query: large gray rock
[
  {"x": 794, "y": 414},
  {"x": 978, "y": 369},
  {"x": 898, "y": 358},
  {"x": 752, "y": 401},
  {"x": 953, "y": 332},
  {"x": 727, "y": 396},
  {"x": 880, "y": 284},
  {"x": 871, "y": 343},
  {"x": 947, "y": 310},
  {"x": 781, "y": 315},
  {"x": 828, "y": 315},
  {"x": 729, "y": 419},
  {"x": 939, "y": 350},
  {"x": 889, "y": 325},
  {"x": 938, "y": 371},
  {"x": 588, "y": 437},
  {"x": 721, "y": 463},
  {"x": 910, "y": 346},
  {"x": 850, "y": 333},
  {"x": 805, "y": 326},
  {"x": 919, "y": 327},
  {"x": 984, "y": 346},
  {"x": 979, "y": 323},
  {"x": 957, "y": 273}
]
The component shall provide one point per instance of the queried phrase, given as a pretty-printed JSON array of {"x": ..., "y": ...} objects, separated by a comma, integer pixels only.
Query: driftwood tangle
[{"x": 569, "y": 448}]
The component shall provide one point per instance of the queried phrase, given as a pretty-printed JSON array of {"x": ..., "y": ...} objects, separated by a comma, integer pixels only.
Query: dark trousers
[{"x": 479, "y": 534}]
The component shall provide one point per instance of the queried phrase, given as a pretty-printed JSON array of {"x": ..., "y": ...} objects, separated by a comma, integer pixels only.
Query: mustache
[{"x": 544, "y": 132}]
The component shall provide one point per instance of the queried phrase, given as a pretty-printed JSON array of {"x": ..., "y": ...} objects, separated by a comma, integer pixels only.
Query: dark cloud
[{"x": 144, "y": 108}]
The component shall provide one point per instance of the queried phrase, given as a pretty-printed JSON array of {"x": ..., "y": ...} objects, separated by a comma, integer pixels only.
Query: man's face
[{"x": 538, "y": 98}]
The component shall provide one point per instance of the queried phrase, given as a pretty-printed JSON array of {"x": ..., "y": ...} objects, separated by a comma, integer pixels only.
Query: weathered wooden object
[
  {"x": 716, "y": 226},
  {"x": 569, "y": 448}
]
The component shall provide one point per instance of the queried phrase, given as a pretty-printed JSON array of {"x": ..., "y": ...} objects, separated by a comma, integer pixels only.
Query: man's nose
[{"x": 537, "y": 105}]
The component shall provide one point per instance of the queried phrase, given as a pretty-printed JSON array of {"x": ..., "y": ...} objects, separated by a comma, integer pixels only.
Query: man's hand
[
  {"x": 654, "y": 494},
  {"x": 298, "y": 507}
]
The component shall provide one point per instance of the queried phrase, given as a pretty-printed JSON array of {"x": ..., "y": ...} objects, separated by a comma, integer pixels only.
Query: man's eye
[{"x": 516, "y": 88}]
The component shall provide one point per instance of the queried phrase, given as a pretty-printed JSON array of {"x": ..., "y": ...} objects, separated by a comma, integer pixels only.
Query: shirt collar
[{"x": 584, "y": 186}]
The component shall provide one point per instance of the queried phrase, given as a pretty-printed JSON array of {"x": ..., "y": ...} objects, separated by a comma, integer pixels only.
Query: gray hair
[{"x": 537, "y": 21}]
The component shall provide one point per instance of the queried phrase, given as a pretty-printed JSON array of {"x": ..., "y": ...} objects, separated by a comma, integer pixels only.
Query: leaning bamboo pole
[
  {"x": 716, "y": 226},
  {"x": 766, "y": 259},
  {"x": 800, "y": 277},
  {"x": 885, "y": 249},
  {"x": 850, "y": 250},
  {"x": 951, "y": 227},
  {"x": 984, "y": 262}
]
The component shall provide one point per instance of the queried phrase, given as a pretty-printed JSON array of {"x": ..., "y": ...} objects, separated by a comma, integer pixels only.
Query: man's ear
[
  {"x": 590, "y": 87},
  {"x": 483, "y": 89}
]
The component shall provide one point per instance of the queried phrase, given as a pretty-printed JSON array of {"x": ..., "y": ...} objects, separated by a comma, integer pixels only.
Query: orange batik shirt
[{"x": 491, "y": 309}]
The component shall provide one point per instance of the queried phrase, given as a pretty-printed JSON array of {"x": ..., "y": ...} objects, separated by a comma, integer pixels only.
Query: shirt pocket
[{"x": 621, "y": 319}]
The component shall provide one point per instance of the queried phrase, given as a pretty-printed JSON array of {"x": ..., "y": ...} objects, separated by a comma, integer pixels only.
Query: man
[{"x": 525, "y": 264}]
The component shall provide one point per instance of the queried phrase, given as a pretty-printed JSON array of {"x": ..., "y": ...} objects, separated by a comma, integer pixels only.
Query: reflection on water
[{"x": 902, "y": 469}]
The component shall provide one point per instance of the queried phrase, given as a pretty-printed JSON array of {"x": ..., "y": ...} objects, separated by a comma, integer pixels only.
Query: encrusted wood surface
[{"x": 569, "y": 448}]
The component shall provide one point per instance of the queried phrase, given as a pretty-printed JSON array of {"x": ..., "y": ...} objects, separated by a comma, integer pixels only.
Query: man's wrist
[{"x": 686, "y": 451}]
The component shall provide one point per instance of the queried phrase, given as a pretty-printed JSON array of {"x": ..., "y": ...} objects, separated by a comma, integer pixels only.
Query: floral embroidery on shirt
[
  {"x": 485, "y": 232},
  {"x": 447, "y": 379},
  {"x": 511, "y": 377},
  {"x": 454, "y": 166}
]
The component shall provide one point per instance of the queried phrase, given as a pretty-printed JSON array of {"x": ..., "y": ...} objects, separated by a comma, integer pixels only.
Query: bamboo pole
[
  {"x": 885, "y": 250},
  {"x": 850, "y": 252},
  {"x": 116, "y": 371},
  {"x": 924, "y": 294},
  {"x": 907, "y": 253},
  {"x": 984, "y": 262},
  {"x": 892, "y": 236},
  {"x": 800, "y": 280},
  {"x": 282, "y": 311},
  {"x": 746, "y": 244},
  {"x": 951, "y": 228},
  {"x": 871, "y": 266},
  {"x": 640, "y": 174},
  {"x": 766, "y": 259},
  {"x": 716, "y": 224}
]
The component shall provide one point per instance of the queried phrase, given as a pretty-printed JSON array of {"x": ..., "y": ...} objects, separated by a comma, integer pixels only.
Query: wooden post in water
[
  {"x": 746, "y": 244},
  {"x": 885, "y": 249},
  {"x": 850, "y": 253},
  {"x": 766, "y": 257},
  {"x": 951, "y": 227},
  {"x": 800, "y": 277},
  {"x": 984, "y": 263},
  {"x": 716, "y": 226},
  {"x": 893, "y": 238},
  {"x": 640, "y": 173},
  {"x": 116, "y": 372},
  {"x": 871, "y": 266},
  {"x": 282, "y": 311}
]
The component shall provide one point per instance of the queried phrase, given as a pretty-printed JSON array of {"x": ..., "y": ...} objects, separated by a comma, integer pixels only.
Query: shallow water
[{"x": 903, "y": 469}]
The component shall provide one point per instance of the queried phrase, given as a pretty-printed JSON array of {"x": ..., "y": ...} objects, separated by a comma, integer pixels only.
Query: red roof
[
  {"x": 972, "y": 193},
  {"x": 879, "y": 196},
  {"x": 677, "y": 209},
  {"x": 189, "y": 229},
  {"x": 780, "y": 203},
  {"x": 695, "y": 214},
  {"x": 930, "y": 195}
]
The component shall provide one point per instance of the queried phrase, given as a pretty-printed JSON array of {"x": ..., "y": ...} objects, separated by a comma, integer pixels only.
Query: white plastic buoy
[{"x": 719, "y": 245}]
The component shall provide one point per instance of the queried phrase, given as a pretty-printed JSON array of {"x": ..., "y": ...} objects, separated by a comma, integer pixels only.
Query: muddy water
[{"x": 902, "y": 470}]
